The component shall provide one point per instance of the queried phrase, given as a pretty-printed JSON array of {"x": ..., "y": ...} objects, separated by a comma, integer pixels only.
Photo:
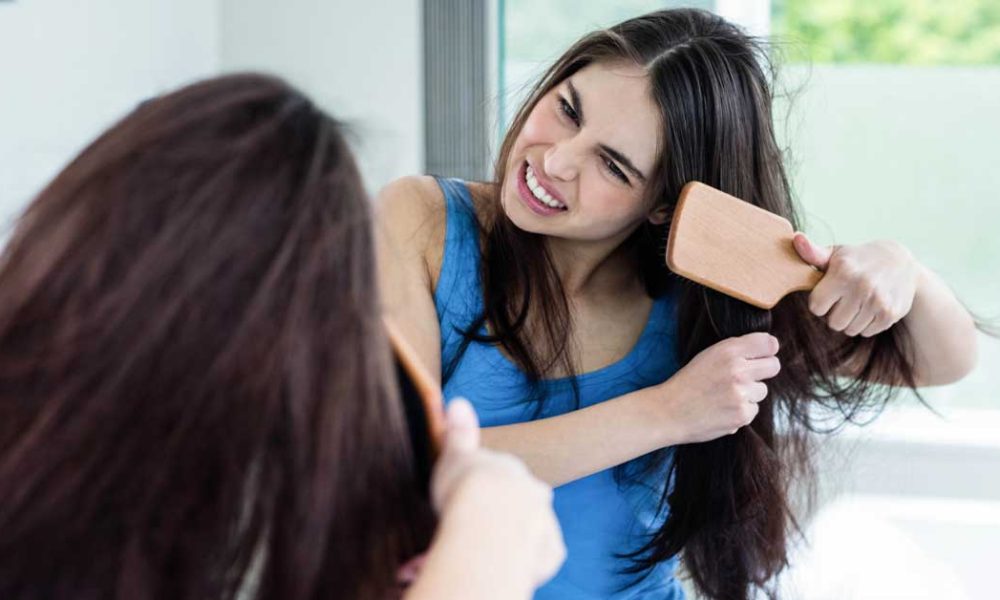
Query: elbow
[
  {"x": 967, "y": 357},
  {"x": 958, "y": 371},
  {"x": 961, "y": 360}
]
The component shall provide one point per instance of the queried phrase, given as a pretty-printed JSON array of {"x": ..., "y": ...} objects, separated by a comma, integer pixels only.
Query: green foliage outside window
[{"x": 914, "y": 32}]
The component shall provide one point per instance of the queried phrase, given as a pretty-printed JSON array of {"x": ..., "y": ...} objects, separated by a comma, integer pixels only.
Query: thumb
[
  {"x": 814, "y": 254},
  {"x": 462, "y": 426}
]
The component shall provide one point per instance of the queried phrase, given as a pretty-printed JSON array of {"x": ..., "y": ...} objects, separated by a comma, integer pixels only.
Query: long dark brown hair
[
  {"x": 729, "y": 500},
  {"x": 196, "y": 396}
]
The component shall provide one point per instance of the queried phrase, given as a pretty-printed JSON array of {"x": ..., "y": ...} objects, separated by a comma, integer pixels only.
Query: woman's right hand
[
  {"x": 497, "y": 528},
  {"x": 718, "y": 391}
]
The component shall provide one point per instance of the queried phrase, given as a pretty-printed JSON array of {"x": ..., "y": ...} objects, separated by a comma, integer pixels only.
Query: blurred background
[{"x": 889, "y": 111}]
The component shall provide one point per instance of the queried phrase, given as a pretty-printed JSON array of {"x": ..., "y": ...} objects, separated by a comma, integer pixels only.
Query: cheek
[
  {"x": 611, "y": 205},
  {"x": 609, "y": 199},
  {"x": 540, "y": 127}
]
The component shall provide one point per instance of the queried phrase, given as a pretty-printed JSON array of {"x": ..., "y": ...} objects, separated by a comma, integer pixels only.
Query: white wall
[
  {"x": 361, "y": 61},
  {"x": 68, "y": 69}
]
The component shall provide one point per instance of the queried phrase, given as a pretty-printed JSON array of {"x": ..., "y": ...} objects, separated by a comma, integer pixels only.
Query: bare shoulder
[
  {"x": 409, "y": 229},
  {"x": 409, "y": 200},
  {"x": 422, "y": 188},
  {"x": 410, "y": 212}
]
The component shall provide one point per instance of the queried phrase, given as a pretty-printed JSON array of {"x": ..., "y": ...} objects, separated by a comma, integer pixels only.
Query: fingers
[
  {"x": 845, "y": 307},
  {"x": 553, "y": 553},
  {"x": 876, "y": 327},
  {"x": 863, "y": 320},
  {"x": 756, "y": 392},
  {"x": 757, "y": 345},
  {"x": 462, "y": 426},
  {"x": 826, "y": 293},
  {"x": 814, "y": 254},
  {"x": 763, "y": 368},
  {"x": 853, "y": 319},
  {"x": 461, "y": 442},
  {"x": 843, "y": 312},
  {"x": 866, "y": 289},
  {"x": 747, "y": 413}
]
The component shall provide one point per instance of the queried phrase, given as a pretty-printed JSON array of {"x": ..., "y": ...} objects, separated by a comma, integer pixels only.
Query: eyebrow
[{"x": 574, "y": 96}]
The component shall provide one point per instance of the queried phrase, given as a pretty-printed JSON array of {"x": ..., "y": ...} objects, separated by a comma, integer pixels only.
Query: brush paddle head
[{"x": 736, "y": 248}]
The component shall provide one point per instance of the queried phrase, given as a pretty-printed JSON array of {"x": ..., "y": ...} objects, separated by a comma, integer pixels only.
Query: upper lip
[{"x": 546, "y": 185}]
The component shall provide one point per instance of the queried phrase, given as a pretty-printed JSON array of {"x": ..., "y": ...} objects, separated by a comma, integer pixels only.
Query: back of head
[{"x": 194, "y": 387}]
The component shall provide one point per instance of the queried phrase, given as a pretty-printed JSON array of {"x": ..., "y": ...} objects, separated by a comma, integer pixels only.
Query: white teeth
[{"x": 539, "y": 192}]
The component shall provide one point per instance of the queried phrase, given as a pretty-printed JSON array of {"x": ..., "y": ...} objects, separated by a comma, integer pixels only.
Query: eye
[
  {"x": 614, "y": 170},
  {"x": 569, "y": 111}
]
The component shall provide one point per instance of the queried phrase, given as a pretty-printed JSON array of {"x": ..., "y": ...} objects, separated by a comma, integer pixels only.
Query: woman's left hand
[{"x": 865, "y": 289}]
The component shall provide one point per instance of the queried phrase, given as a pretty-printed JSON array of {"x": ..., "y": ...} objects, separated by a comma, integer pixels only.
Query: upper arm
[{"x": 409, "y": 233}]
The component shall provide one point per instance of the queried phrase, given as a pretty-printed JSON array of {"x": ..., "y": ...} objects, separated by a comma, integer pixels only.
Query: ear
[{"x": 660, "y": 215}]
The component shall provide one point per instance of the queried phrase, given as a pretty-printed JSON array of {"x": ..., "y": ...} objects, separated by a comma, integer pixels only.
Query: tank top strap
[{"x": 458, "y": 296}]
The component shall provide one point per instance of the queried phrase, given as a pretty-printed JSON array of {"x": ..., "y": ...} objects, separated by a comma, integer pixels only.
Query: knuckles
[
  {"x": 883, "y": 307},
  {"x": 865, "y": 286}
]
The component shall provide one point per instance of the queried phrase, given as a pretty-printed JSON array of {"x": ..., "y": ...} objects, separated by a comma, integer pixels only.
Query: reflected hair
[{"x": 729, "y": 510}]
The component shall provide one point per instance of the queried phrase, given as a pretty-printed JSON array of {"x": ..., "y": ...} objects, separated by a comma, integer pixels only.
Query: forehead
[{"x": 619, "y": 109}]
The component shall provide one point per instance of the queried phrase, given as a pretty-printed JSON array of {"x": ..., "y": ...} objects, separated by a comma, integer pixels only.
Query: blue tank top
[{"x": 601, "y": 518}]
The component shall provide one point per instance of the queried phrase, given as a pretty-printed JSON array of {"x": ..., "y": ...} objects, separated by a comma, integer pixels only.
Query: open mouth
[{"x": 535, "y": 195}]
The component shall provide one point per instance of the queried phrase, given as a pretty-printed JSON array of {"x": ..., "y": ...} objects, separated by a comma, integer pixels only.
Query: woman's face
[{"x": 579, "y": 166}]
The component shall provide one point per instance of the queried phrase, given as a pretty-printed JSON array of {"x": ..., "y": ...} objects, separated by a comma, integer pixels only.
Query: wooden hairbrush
[
  {"x": 423, "y": 405},
  {"x": 736, "y": 248}
]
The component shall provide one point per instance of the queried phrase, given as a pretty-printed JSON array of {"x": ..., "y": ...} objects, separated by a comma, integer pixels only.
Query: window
[
  {"x": 888, "y": 109},
  {"x": 894, "y": 135},
  {"x": 533, "y": 34},
  {"x": 899, "y": 32},
  {"x": 890, "y": 122}
]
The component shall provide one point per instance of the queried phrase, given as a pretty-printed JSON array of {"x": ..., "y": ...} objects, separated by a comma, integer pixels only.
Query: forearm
[
  {"x": 564, "y": 448},
  {"x": 942, "y": 332}
]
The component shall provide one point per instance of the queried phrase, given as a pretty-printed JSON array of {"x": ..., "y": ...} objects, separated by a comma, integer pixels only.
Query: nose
[{"x": 562, "y": 160}]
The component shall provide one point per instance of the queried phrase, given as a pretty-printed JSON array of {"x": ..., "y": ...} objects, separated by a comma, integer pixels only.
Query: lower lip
[{"x": 529, "y": 199}]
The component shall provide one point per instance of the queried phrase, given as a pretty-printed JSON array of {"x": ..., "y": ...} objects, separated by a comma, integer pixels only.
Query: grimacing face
[{"x": 579, "y": 166}]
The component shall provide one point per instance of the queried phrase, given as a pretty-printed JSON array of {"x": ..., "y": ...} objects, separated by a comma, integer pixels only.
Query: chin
[{"x": 516, "y": 213}]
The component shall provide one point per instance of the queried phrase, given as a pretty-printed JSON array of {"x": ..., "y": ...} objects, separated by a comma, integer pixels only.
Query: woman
[
  {"x": 652, "y": 402},
  {"x": 197, "y": 399}
]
